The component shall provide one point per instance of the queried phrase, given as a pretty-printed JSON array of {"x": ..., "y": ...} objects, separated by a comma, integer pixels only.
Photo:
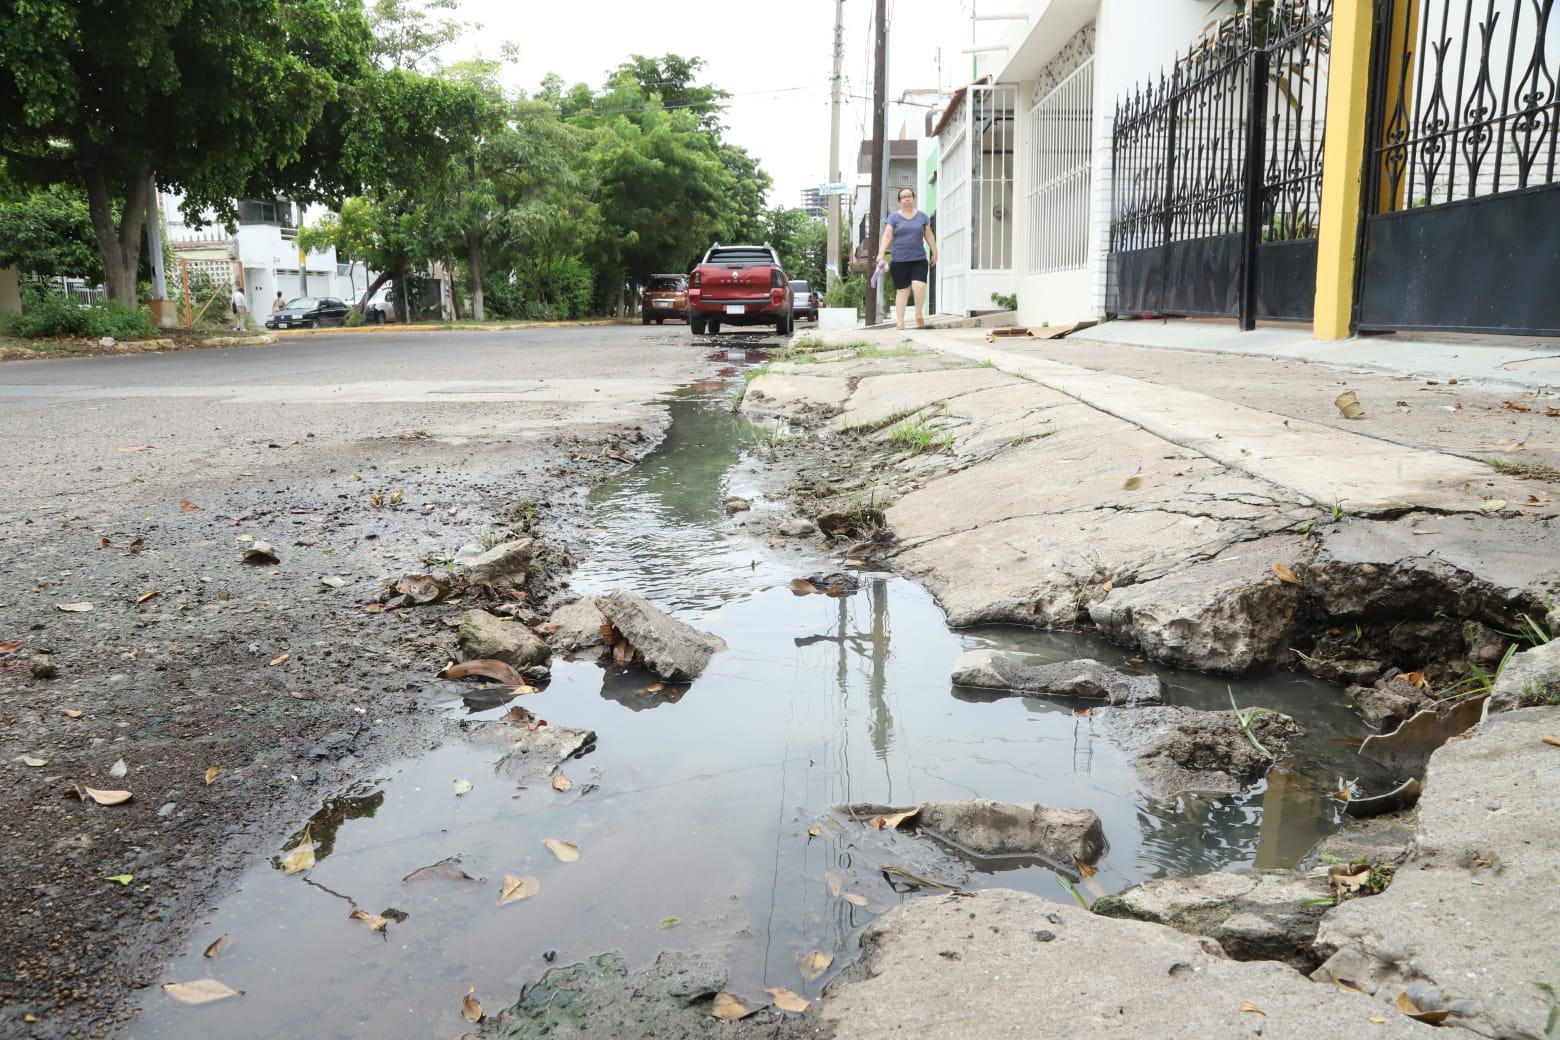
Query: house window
[{"x": 265, "y": 211}]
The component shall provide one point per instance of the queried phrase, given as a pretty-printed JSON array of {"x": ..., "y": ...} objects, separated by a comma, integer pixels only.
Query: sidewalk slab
[{"x": 1327, "y": 466}]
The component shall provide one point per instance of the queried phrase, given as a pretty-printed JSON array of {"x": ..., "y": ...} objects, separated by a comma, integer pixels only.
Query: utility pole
[
  {"x": 879, "y": 92},
  {"x": 831, "y": 262}
]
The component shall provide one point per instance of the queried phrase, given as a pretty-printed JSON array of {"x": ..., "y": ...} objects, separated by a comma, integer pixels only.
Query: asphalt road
[{"x": 133, "y": 485}]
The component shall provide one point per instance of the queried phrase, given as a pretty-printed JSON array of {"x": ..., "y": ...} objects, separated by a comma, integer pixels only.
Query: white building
[
  {"x": 1024, "y": 170},
  {"x": 262, "y": 255}
]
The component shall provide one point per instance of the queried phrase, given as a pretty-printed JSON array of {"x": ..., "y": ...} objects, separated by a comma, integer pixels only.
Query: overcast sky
[{"x": 776, "y": 66}]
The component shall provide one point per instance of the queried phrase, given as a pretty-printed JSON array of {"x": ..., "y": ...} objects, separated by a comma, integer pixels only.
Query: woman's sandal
[
  {"x": 900, "y": 326},
  {"x": 920, "y": 323}
]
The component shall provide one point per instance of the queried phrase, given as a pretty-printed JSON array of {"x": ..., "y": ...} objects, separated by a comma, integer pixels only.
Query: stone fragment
[
  {"x": 483, "y": 635},
  {"x": 1530, "y": 678},
  {"x": 670, "y": 648},
  {"x": 1389, "y": 703},
  {"x": 735, "y": 505},
  {"x": 991, "y": 828},
  {"x": 1230, "y": 613},
  {"x": 43, "y": 667},
  {"x": 1257, "y": 915},
  {"x": 531, "y": 756},
  {"x": 1470, "y": 914},
  {"x": 1020, "y": 674},
  {"x": 578, "y": 625},
  {"x": 505, "y": 564},
  {"x": 798, "y": 527},
  {"x": 600, "y": 997},
  {"x": 1090, "y": 977},
  {"x": 1184, "y": 749}
]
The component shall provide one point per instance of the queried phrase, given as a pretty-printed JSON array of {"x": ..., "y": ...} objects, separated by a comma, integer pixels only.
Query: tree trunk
[
  {"x": 403, "y": 306},
  {"x": 474, "y": 262},
  {"x": 120, "y": 246},
  {"x": 368, "y": 293},
  {"x": 620, "y": 299}
]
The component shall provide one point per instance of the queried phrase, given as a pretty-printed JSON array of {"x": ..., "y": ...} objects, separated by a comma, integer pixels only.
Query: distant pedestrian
[
  {"x": 908, "y": 235},
  {"x": 240, "y": 310},
  {"x": 278, "y": 303}
]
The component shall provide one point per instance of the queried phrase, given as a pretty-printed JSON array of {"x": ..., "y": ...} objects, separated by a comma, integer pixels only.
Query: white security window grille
[
  {"x": 1060, "y": 158},
  {"x": 991, "y": 184},
  {"x": 953, "y": 212}
]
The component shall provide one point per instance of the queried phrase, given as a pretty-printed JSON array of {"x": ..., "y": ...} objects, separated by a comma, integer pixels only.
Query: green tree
[
  {"x": 48, "y": 231},
  {"x": 671, "y": 79},
  {"x": 799, "y": 239},
  {"x": 409, "y": 35},
  {"x": 217, "y": 97}
]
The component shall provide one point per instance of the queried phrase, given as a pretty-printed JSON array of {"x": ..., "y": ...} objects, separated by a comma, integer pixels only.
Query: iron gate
[
  {"x": 1461, "y": 173},
  {"x": 1217, "y": 171}
]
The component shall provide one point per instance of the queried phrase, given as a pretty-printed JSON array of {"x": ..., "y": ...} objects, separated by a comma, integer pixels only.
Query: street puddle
[{"x": 694, "y": 816}]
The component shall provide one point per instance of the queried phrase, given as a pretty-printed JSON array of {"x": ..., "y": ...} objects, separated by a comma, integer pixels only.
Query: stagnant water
[{"x": 695, "y": 835}]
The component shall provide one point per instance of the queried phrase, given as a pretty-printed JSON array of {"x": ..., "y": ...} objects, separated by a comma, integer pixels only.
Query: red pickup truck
[{"x": 739, "y": 285}]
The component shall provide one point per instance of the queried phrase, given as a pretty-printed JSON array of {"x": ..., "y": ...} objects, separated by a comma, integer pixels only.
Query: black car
[
  {"x": 806, "y": 305},
  {"x": 308, "y": 312}
]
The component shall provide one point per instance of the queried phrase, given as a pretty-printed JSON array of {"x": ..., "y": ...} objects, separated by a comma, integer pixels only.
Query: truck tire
[
  {"x": 644, "y": 318},
  {"x": 714, "y": 327},
  {"x": 696, "y": 323},
  {"x": 783, "y": 325}
]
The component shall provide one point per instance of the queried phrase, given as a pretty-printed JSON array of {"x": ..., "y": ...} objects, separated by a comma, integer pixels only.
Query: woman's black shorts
[{"x": 903, "y": 272}]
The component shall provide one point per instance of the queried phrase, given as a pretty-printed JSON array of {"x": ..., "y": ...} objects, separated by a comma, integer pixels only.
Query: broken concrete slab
[
  {"x": 531, "y": 756},
  {"x": 670, "y": 998},
  {"x": 1184, "y": 749},
  {"x": 980, "y": 967},
  {"x": 884, "y": 398},
  {"x": 1467, "y": 920},
  {"x": 1530, "y": 678},
  {"x": 577, "y": 625},
  {"x": 991, "y": 828},
  {"x": 507, "y": 563},
  {"x": 1229, "y": 613},
  {"x": 1407, "y": 748},
  {"x": 672, "y": 649},
  {"x": 775, "y": 392},
  {"x": 482, "y": 635},
  {"x": 1254, "y": 915},
  {"x": 1022, "y": 675}
]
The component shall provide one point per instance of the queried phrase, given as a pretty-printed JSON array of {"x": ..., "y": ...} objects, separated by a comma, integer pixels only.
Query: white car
[{"x": 380, "y": 307}]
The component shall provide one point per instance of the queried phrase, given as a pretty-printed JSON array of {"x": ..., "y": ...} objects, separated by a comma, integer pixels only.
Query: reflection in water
[{"x": 698, "y": 802}]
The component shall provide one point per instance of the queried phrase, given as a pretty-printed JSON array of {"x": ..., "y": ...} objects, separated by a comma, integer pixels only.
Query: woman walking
[{"x": 908, "y": 235}]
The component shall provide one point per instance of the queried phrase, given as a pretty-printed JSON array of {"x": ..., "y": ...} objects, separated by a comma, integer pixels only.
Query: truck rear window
[
  {"x": 665, "y": 284},
  {"x": 740, "y": 256}
]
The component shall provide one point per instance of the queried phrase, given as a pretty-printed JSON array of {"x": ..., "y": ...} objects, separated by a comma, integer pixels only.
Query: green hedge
[{"x": 48, "y": 315}]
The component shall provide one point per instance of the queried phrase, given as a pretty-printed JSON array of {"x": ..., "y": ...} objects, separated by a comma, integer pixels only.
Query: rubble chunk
[
  {"x": 996, "y": 670},
  {"x": 672, "y": 649}
]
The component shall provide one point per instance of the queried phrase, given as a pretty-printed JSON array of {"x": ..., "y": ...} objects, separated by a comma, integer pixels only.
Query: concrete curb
[{"x": 366, "y": 329}]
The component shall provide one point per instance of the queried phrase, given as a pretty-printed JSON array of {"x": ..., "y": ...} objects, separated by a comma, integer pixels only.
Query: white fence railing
[{"x": 1060, "y": 155}]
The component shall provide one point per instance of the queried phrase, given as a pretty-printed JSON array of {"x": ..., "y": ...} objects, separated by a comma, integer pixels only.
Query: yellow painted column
[{"x": 1348, "y": 104}]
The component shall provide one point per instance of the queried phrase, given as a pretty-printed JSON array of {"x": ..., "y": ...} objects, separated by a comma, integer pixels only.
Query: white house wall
[{"x": 1133, "y": 41}]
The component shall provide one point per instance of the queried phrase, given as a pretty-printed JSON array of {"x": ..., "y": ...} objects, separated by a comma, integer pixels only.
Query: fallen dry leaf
[
  {"x": 33, "y": 761},
  {"x": 1346, "y": 882},
  {"x": 470, "y": 1009},
  {"x": 143, "y": 597},
  {"x": 137, "y": 447},
  {"x": 1377, "y": 1020},
  {"x": 1415, "y": 678},
  {"x": 211, "y": 774},
  {"x": 1492, "y": 505},
  {"x": 1132, "y": 483},
  {"x": 854, "y": 898},
  {"x": 515, "y": 889},
  {"x": 802, "y": 587},
  {"x": 188, "y": 507},
  {"x": 120, "y": 879},
  {"x": 302, "y": 855},
  {"x": 73, "y": 608},
  {"x": 815, "y": 831},
  {"x": 1085, "y": 870},
  {"x": 260, "y": 553},
  {"x": 564, "y": 850},
  {"x": 462, "y": 786},
  {"x": 280, "y": 658},
  {"x": 201, "y": 991},
  {"x": 834, "y": 881},
  {"x": 728, "y": 1008},
  {"x": 1285, "y": 575},
  {"x": 1517, "y": 406},
  {"x": 1251, "y": 1008},
  {"x": 562, "y": 783},
  {"x": 893, "y": 820},
  {"x": 786, "y": 1000},
  {"x": 447, "y": 868},
  {"x": 374, "y": 921},
  {"x": 814, "y": 964},
  {"x": 10, "y": 646},
  {"x": 1406, "y": 1005},
  {"x": 105, "y": 797},
  {"x": 1551, "y": 740},
  {"x": 484, "y": 668},
  {"x": 216, "y": 948},
  {"x": 71, "y": 713}
]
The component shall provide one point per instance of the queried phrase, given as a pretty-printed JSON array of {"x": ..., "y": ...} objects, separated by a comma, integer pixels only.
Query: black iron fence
[
  {"x": 1462, "y": 172},
  {"x": 1217, "y": 168}
]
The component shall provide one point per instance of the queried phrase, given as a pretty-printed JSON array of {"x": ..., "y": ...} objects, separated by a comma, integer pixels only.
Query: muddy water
[{"x": 692, "y": 816}]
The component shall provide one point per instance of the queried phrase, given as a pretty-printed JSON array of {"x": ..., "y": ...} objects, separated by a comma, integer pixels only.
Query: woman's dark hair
[{"x": 905, "y": 189}]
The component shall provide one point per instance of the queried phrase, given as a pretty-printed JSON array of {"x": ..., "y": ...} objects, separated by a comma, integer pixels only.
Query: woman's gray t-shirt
[{"x": 909, "y": 235}]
